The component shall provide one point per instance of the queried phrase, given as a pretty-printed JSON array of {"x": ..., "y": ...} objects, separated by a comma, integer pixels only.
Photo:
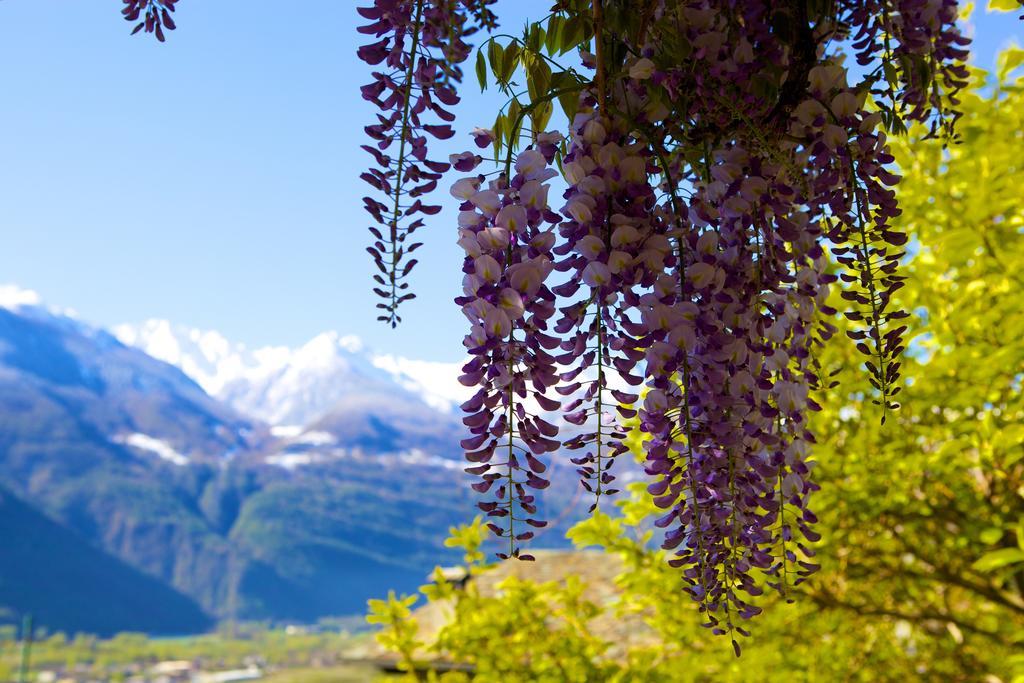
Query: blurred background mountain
[{"x": 221, "y": 482}]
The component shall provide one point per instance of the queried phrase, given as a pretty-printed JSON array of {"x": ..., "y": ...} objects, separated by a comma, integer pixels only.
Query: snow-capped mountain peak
[
  {"x": 205, "y": 356},
  {"x": 296, "y": 386},
  {"x": 28, "y": 302},
  {"x": 12, "y": 296}
]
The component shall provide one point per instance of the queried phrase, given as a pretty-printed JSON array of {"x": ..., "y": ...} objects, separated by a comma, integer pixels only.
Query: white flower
[
  {"x": 808, "y": 110},
  {"x": 753, "y": 188},
  {"x": 777, "y": 331},
  {"x": 624, "y": 234},
  {"x": 742, "y": 384},
  {"x": 477, "y": 310},
  {"x": 726, "y": 173},
  {"x": 594, "y": 132},
  {"x": 497, "y": 323},
  {"x": 791, "y": 396},
  {"x": 471, "y": 284},
  {"x": 642, "y": 69},
  {"x": 792, "y": 485},
  {"x": 470, "y": 245},
  {"x": 487, "y": 268},
  {"x": 475, "y": 338},
  {"x": 493, "y": 238},
  {"x": 469, "y": 219},
  {"x": 510, "y": 302},
  {"x": 701, "y": 274},
  {"x": 530, "y": 162},
  {"x": 596, "y": 274},
  {"x": 657, "y": 111},
  {"x": 683, "y": 337},
  {"x": 744, "y": 52},
  {"x": 525, "y": 277},
  {"x": 608, "y": 156},
  {"x": 544, "y": 241},
  {"x": 487, "y": 201},
  {"x": 633, "y": 169},
  {"x": 592, "y": 185},
  {"x": 590, "y": 247},
  {"x": 845, "y": 104},
  {"x": 580, "y": 209},
  {"x": 574, "y": 172},
  {"x": 655, "y": 401},
  {"x": 465, "y": 188},
  {"x": 735, "y": 206},
  {"x": 823, "y": 79},
  {"x": 618, "y": 261},
  {"x": 512, "y": 218},
  {"x": 533, "y": 194},
  {"x": 707, "y": 243},
  {"x": 834, "y": 136}
]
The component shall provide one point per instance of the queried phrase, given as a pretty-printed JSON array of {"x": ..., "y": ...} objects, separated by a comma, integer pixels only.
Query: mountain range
[{"x": 267, "y": 483}]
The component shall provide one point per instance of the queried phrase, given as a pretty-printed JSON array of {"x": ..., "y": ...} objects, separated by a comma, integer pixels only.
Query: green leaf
[
  {"x": 1003, "y": 5},
  {"x": 991, "y": 535},
  {"x": 481, "y": 69},
  {"x": 541, "y": 116},
  {"x": 509, "y": 60},
  {"x": 553, "y": 34},
  {"x": 499, "y": 133},
  {"x": 1009, "y": 59},
  {"x": 570, "y": 102},
  {"x": 534, "y": 37},
  {"x": 515, "y": 123},
  {"x": 892, "y": 77},
  {"x": 495, "y": 54},
  {"x": 998, "y": 559},
  {"x": 571, "y": 35},
  {"x": 538, "y": 79}
]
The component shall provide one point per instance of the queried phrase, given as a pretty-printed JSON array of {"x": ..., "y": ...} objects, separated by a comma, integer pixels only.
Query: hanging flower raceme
[
  {"x": 155, "y": 15},
  {"x": 730, "y": 370},
  {"x": 729, "y": 382},
  {"x": 610, "y": 252},
  {"x": 850, "y": 191},
  {"x": 420, "y": 46},
  {"x": 925, "y": 52},
  {"x": 696, "y": 303},
  {"x": 716, "y": 292},
  {"x": 505, "y": 228}
]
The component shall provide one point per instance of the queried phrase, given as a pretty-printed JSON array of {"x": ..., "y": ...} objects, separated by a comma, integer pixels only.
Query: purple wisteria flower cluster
[
  {"x": 921, "y": 39},
  {"x": 694, "y": 255},
  {"x": 506, "y": 231},
  {"x": 722, "y": 177},
  {"x": 419, "y": 48},
  {"x": 610, "y": 252},
  {"x": 155, "y": 15}
]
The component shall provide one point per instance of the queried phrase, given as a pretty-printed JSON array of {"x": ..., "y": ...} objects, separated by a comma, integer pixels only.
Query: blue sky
[{"x": 213, "y": 180}]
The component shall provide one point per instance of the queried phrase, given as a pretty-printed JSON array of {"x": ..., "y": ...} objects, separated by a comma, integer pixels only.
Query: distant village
[{"x": 174, "y": 671}]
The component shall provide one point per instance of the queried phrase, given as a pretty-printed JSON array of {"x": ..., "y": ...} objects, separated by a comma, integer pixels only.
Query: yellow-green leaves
[
  {"x": 998, "y": 559},
  {"x": 469, "y": 537},
  {"x": 391, "y": 609},
  {"x": 398, "y": 628},
  {"x": 538, "y": 79},
  {"x": 1008, "y": 60},
  {"x": 1003, "y": 5},
  {"x": 567, "y": 33},
  {"x": 481, "y": 69}
]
